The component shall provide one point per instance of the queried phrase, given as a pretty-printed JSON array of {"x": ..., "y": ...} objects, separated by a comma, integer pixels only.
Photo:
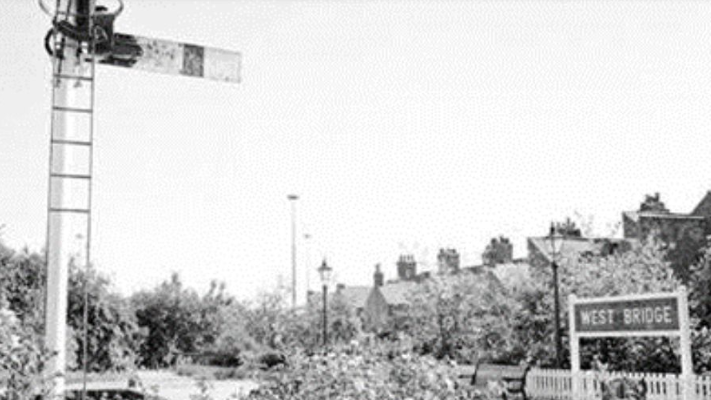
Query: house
[
  {"x": 682, "y": 235},
  {"x": 386, "y": 300},
  {"x": 577, "y": 248}
]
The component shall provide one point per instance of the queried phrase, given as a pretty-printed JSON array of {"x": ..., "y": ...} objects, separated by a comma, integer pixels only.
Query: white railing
[{"x": 557, "y": 385}]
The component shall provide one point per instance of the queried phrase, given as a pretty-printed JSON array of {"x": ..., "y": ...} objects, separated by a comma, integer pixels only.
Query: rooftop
[
  {"x": 635, "y": 215},
  {"x": 574, "y": 247},
  {"x": 354, "y": 295}
]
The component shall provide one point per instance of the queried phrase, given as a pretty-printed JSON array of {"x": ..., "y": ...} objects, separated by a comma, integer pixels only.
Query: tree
[
  {"x": 22, "y": 280},
  {"x": 700, "y": 305},
  {"x": 274, "y": 325},
  {"x": 22, "y": 358},
  {"x": 112, "y": 335},
  {"x": 640, "y": 270},
  {"x": 462, "y": 316},
  {"x": 176, "y": 320},
  {"x": 111, "y": 326}
]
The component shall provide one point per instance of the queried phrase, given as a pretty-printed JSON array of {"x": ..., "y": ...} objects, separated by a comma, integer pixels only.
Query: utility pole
[
  {"x": 307, "y": 244},
  {"x": 292, "y": 199}
]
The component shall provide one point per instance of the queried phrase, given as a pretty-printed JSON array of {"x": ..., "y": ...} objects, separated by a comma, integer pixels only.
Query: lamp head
[
  {"x": 554, "y": 240},
  {"x": 324, "y": 271}
]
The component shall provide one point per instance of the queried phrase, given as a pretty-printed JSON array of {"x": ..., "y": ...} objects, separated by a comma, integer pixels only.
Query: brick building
[
  {"x": 574, "y": 248},
  {"x": 682, "y": 235}
]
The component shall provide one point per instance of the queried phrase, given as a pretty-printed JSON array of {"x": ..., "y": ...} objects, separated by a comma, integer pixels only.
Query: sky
[{"x": 404, "y": 126}]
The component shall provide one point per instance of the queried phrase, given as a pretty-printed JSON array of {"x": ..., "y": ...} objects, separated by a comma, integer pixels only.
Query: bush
[
  {"x": 178, "y": 321},
  {"x": 369, "y": 373},
  {"x": 22, "y": 359}
]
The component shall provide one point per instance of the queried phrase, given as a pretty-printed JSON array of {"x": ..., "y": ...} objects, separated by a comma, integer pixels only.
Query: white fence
[{"x": 556, "y": 385}]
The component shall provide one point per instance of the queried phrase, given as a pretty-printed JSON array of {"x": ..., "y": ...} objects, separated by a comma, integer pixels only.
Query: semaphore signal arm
[{"x": 94, "y": 33}]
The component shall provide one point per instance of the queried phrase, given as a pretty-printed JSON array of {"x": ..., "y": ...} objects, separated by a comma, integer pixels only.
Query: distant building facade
[
  {"x": 682, "y": 235},
  {"x": 575, "y": 247}
]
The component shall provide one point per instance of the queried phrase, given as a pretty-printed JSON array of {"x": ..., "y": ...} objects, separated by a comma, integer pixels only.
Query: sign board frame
[{"x": 682, "y": 331}]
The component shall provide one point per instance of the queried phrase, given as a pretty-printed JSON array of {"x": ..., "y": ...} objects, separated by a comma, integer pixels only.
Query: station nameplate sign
[{"x": 643, "y": 315}]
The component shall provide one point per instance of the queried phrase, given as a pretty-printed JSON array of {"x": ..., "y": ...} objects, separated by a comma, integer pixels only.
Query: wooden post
[
  {"x": 574, "y": 348},
  {"x": 687, "y": 366}
]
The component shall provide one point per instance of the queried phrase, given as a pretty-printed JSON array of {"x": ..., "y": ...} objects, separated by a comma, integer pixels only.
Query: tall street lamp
[
  {"x": 292, "y": 199},
  {"x": 307, "y": 248},
  {"x": 555, "y": 243},
  {"x": 325, "y": 272}
]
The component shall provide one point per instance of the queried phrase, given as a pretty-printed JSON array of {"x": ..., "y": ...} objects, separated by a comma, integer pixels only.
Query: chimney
[
  {"x": 378, "y": 277},
  {"x": 499, "y": 251},
  {"x": 448, "y": 261},
  {"x": 406, "y": 267}
]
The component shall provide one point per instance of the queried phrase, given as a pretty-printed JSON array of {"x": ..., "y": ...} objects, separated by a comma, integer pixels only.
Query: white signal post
[
  {"x": 631, "y": 316},
  {"x": 67, "y": 233},
  {"x": 70, "y": 165}
]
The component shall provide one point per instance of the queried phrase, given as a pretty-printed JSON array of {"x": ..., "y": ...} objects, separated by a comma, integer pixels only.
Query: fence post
[
  {"x": 687, "y": 367},
  {"x": 574, "y": 348}
]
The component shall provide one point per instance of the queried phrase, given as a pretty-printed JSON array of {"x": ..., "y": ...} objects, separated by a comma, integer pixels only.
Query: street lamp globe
[
  {"x": 555, "y": 241},
  {"x": 325, "y": 272}
]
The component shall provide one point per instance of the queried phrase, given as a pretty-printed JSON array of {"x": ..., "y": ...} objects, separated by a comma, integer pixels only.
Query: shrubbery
[
  {"x": 177, "y": 322},
  {"x": 371, "y": 372},
  {"x": 22, "y": 358},
  {"x": 463, "y": 317}
]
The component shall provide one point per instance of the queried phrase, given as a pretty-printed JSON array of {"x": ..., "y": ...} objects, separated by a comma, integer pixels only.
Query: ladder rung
[
  {"x": 70, "y": 176},
  {"x": 70, "y": 210},
  {"x": 77, "y": 77},
  {"x": 71, "y": 142},
  {"x": 72, "y": 109}
]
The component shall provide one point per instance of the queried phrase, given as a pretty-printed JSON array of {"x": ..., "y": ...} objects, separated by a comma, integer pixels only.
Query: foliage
[
  {"x": 22, "y": 359},
  {"x": 700, "y": 307},
  {"x": 641, "y": 270},
  {"x": 112, "y": 330},
  {"x": 22, "y": 356},
  {"x": 359, "y": 372},
  {"x": 533, "y": 324},
  {"x": 177, "y": 321},
  {"x": 271, "y": 324},
  {"x": 22, "y": 278},
  {"x": 471, "y": 317},
  {"x": 464, "y": 316},
  {"x": 112, "y": 333},
  {"x": 233, "y": 344}
]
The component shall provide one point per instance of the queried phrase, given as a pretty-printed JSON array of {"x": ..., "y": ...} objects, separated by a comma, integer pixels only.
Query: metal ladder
[{"x": 71, "y": 160}]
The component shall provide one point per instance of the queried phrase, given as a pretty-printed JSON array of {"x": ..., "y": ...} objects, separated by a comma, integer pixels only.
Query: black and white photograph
[{"x": 355, "y": 199}]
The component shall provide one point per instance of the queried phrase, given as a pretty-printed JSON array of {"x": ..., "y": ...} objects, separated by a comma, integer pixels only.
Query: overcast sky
[{"x": 403, "y": 126}]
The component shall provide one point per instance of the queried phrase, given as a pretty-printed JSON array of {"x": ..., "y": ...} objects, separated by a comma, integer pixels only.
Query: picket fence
[{"x": 556, "y": 385}]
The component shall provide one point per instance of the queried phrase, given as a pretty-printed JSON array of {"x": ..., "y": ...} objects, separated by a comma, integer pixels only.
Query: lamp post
[
  {"x": 307, "y": 247},
  {"x": 555, "y": 242},
  {"x": 324, "y": 272},
  {"x": 292, "y": 199}
]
